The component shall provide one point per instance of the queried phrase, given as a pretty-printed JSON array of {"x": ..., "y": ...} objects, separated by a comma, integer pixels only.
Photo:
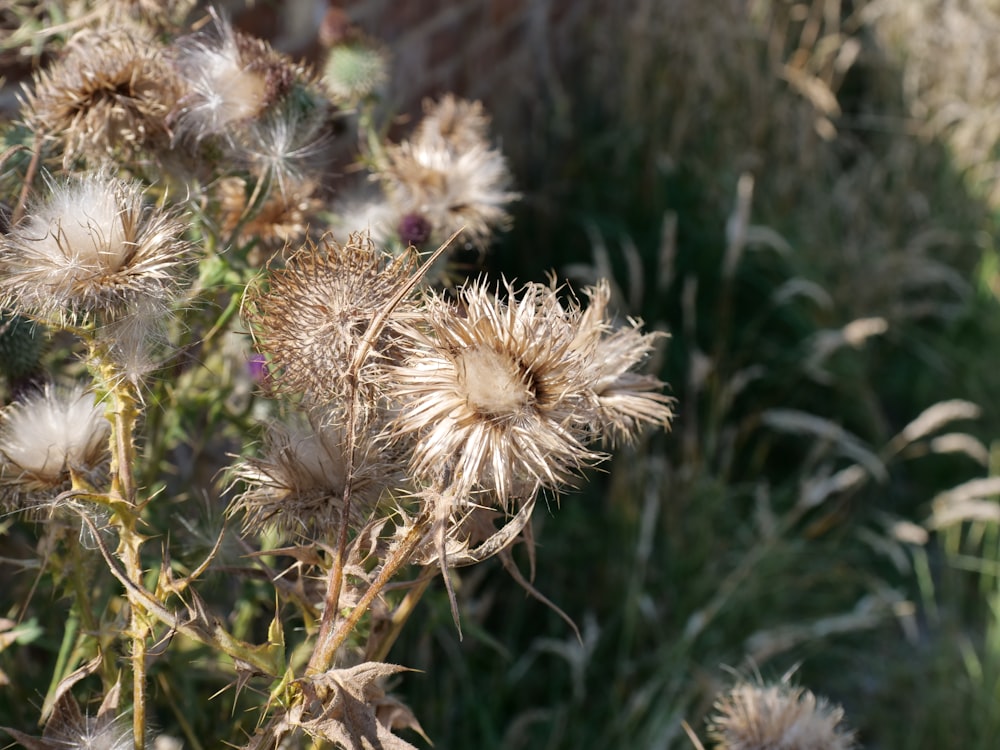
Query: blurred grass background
[{"x": 804, "y": 194}]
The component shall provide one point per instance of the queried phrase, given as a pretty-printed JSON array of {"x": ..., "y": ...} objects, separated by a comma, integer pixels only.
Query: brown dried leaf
[{"x": 347, "y": 700}]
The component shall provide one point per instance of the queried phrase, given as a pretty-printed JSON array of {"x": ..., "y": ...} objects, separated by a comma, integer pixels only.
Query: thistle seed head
[
  {"x": 282, "y": 218},
  {"x": 505, "y": 395},
  {"x": 90, "y": 253},
  {"x": 491, "y": 391},
  {"x": 448, "y": 174},
  {"x": 310, "y": 320},
  {"x": 69, "y": 728},
  {"x": 107, "y": 97},
  {"x": 468, "y": 191},
  {"x": 297, "y": 486},
  {"x": 45, "y": 438},
  {"x": 458, "y": 123},
  {"x": 777, "y": 717},
  {"x": 231, "y": 79}
]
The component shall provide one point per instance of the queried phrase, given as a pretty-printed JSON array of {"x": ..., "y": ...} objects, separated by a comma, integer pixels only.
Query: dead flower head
[
  {"x": 46, "y": 439},
  {"x": 281, "y": 218},
  {"x": 777, "y": 717},
  {"x": 504, "y": 396},
  {"x": 91, "y": 251},
  {"x": 459, "y": 124},
  {"x": 493, "y": 391},
  {"x": 230, "y": 79},
  {"x": 108, "y": 96},
  {"x": 448, "y": 175},
  {"x": 625, "y": 400},
  {"x": 310, "y": 320},
  {"x": 69, "y": 728},
  {"x": 297, "y": 485}
]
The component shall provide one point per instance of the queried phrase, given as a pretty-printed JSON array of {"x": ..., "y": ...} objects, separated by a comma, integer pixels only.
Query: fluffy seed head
[
  {"x": 297, "y": 486},
  {"x": 45, "y": 438},
  {"x": 229, "y": 79},
  {"x": 69, "y": 728},
  {"x": 287, "y": 146},
  {"x": 311, "y": 319},
  {"x": 462, "y": 125},
  {"x": 777, "y": 717},
  {"x": 492, "y": 393},
  {"x": 448, "y": 174},
  {"x": 91, "y": 251},
  {"x": 108, "y": 96}
]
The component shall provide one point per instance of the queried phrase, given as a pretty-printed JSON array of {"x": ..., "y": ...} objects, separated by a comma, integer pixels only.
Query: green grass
[{"x": 704, "y": 524}]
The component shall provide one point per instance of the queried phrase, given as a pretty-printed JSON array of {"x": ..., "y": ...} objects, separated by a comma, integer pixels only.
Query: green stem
[{"x": 124, "y": 405}]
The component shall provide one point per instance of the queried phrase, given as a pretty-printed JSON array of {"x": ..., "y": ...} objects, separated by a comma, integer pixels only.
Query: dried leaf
[{"x": 340, "y": 706}]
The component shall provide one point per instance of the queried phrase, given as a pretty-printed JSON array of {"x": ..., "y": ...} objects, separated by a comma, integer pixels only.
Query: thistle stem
[
  {"x": 322, "y": 656},
  {"x": 400, "y": 556},
  {"x": 124, "y": 416}
]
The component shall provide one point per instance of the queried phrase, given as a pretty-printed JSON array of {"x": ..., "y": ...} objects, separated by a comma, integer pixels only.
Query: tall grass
[{"x": 761, "y": 182}]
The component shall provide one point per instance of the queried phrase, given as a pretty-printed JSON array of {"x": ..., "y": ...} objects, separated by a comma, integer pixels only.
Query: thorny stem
[
  {"x": 327, "y": 644},
  {"x": 124, "y": 414},
  {"x": 217, "y": 638},
  {"x": 322, "y": 656},
  {"x": 399, "y": 557},
  {"x": 401, "y": 615}
]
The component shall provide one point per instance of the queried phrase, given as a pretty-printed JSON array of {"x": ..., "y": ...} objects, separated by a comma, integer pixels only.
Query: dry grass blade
[
  {"x": 932, "y": 419},
  {"x": 800, "y": 423},
  {"x": 870, "y": 611},
  {"x": 970, "y": 501},
  {"x": 960, "y": 442},
  {"x": 815, "y": 491}
]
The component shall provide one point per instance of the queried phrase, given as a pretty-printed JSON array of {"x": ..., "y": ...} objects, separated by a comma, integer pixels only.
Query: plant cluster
[{"x": 202, "y": 310}]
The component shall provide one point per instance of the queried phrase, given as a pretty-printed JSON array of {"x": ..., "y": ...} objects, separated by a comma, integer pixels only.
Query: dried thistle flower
[
  {"x": 311, "y": 319},
  {"x": 230, "y": 79},
  {"x": 47, "y": 438},
  {"x": 448, "y": 175},
  {"x": 462, "y": 125},
  {"x": 625, "y": 400},
  {"x": 68, "y": 728},
  {"x": 282, "y": 218},
  {"x": 297, "y": 486},
  {"x": 108, "y": 96},
  {"x": 777, "y": 717},
  {"x": 91, "y": 251},
  {"x": 493, "y": 393}
]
